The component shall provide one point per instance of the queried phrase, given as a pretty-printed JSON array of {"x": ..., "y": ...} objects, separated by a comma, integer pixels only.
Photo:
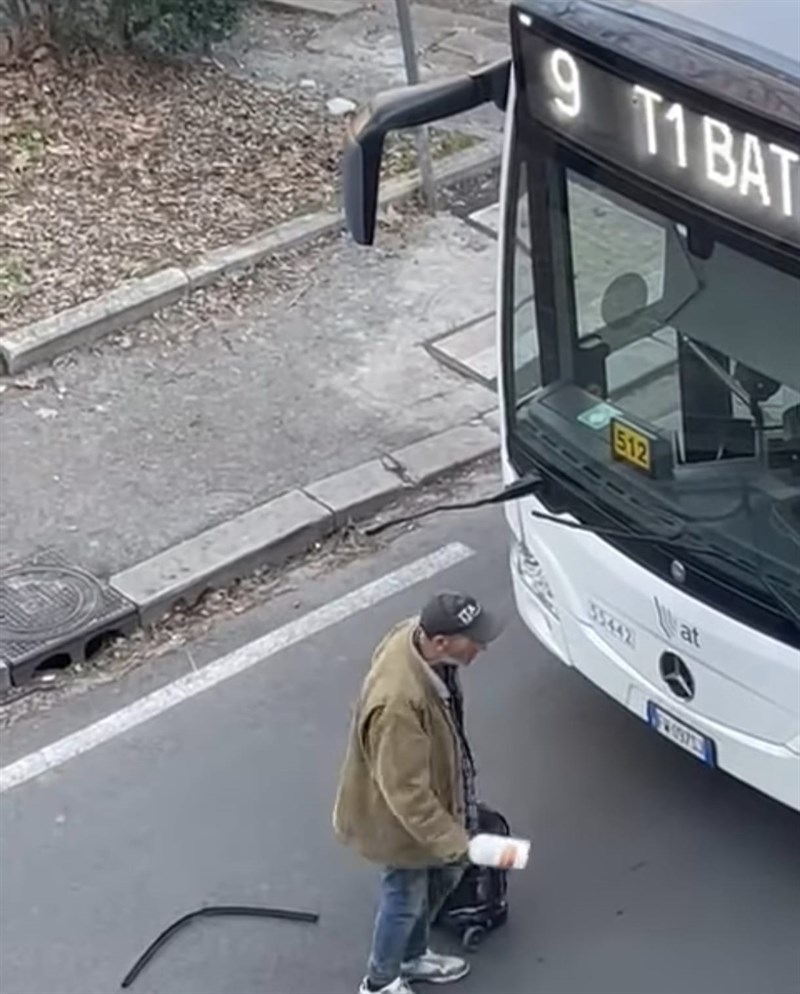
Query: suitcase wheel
[{"x": 473, "y": 937}]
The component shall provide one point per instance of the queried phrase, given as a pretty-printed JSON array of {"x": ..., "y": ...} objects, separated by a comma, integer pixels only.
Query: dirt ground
[{"x": 112, "y": 167}]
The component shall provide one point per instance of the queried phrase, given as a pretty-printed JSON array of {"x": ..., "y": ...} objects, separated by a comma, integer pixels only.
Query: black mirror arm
[{"x": 400, "y": 109}]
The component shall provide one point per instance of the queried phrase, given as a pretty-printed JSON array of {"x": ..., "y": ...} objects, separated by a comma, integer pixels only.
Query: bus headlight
[{"x": 530, "y": 571}]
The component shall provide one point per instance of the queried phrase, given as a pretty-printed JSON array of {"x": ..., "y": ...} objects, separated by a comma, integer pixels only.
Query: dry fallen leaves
[{"x": 113, "y": 167}]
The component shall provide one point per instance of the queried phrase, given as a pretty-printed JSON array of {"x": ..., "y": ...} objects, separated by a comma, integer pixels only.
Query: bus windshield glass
[{"x": 662, "y": 380}]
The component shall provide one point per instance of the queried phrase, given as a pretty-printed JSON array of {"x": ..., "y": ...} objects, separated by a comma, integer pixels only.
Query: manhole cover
[{"x": 47, "y": 603}]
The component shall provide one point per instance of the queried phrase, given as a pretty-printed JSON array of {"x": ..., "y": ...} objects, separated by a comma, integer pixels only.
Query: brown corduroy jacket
[{"x": 400, "y": 796}]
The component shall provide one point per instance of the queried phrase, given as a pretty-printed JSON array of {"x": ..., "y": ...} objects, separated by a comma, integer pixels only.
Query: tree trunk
[{"x": 118, "y": 22}]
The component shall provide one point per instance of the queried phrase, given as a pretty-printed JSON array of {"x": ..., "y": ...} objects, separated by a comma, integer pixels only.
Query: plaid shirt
[
  {"x": 446, "y": 677},
  {"x": 455, "y": 701}
]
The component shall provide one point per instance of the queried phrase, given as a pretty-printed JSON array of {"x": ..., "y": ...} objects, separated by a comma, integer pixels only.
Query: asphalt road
[{"x": 648, "y": 873}]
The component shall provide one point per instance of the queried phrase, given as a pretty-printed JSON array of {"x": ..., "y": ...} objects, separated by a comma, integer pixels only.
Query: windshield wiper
[{"x": 736, "y": 388}]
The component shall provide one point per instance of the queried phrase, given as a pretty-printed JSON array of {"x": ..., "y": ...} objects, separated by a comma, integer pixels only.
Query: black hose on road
[{"x": 214, "y": 911}]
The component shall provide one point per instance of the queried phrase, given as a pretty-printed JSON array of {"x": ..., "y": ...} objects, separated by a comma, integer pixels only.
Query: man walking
[{"x": 406, "y": 797}]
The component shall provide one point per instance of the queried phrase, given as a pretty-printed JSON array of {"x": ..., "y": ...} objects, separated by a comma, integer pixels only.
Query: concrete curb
[
  {"x": 51, "y": 337},
  {"x": 275, "y": 532},
  {"x": 293, "y": 523}
]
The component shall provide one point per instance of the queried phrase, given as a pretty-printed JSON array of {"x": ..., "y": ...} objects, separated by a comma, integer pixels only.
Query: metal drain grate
[{"x": 51, "y": 610}]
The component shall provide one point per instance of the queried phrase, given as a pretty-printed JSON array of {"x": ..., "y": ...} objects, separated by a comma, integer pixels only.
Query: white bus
[{"x": 648, "y": 353}]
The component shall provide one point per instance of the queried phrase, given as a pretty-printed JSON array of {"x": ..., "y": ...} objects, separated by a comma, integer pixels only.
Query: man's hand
[{"x": 508, "y": 857}]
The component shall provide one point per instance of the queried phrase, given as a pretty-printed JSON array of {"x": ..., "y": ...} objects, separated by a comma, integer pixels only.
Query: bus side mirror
[{"x": 408, "y": 107}]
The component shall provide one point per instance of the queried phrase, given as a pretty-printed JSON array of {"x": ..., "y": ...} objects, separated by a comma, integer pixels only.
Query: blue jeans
[{"x": 409, "y": 901}]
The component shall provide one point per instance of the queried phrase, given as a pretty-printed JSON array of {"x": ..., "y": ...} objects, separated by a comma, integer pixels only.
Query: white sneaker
[
  {"x": 398, "y": 986},
  {"x": 434, "y": 968}
]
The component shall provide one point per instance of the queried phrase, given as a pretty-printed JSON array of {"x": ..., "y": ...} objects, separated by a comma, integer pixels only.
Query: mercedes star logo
[{"x": 676, "y": 675}]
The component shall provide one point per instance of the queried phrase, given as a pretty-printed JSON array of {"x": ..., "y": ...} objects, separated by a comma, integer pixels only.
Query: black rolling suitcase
[{"x": 479, "y": 904}]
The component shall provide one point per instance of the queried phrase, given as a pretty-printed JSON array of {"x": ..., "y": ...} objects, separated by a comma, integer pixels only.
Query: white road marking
[{"x": 241, "y": 659}]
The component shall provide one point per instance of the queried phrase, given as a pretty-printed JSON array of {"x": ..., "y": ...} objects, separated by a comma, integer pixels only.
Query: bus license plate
[{"x": 687, "y": 738}]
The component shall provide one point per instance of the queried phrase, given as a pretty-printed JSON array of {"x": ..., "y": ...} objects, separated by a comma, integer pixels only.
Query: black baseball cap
[{"x": 459, "y": 614}]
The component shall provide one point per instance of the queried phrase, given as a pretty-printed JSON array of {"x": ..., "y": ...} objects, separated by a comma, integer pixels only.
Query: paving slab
[
  {"x": 471, "y": 350},
  {"x": 431, "y": 457},
  {"x": 488, "y": 218},
  {"x": 357, "y": 492},
  {"x": 493, "y": 420}
]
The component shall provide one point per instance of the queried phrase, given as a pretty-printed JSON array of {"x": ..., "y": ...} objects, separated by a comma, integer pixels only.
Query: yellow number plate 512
[{"x": 631, "y": 445}]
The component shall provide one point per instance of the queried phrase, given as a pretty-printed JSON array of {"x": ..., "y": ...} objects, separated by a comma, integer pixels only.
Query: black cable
[
  {"x": 213, "y": 911},
  {"x": 541, "y": 515},
  {"x": 521, "y": 488}
]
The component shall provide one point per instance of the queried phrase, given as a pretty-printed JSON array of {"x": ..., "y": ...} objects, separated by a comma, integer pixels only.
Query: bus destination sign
[{"x": 745, "y": 176}]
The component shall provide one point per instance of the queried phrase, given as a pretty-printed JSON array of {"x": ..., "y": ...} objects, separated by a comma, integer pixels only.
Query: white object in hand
[{"x": 499, "y": 851}]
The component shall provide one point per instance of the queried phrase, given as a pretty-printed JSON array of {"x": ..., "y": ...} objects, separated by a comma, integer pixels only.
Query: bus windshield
[{"x": 663, "y": 377}]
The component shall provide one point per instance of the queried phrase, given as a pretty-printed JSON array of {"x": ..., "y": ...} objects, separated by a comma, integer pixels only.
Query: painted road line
[{"x": 57, "y": 753}]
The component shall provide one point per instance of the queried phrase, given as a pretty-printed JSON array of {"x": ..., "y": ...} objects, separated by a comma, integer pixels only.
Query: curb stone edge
[
  {"x": 91, "y": 320},
  {"x": 294, "y": 522}
]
